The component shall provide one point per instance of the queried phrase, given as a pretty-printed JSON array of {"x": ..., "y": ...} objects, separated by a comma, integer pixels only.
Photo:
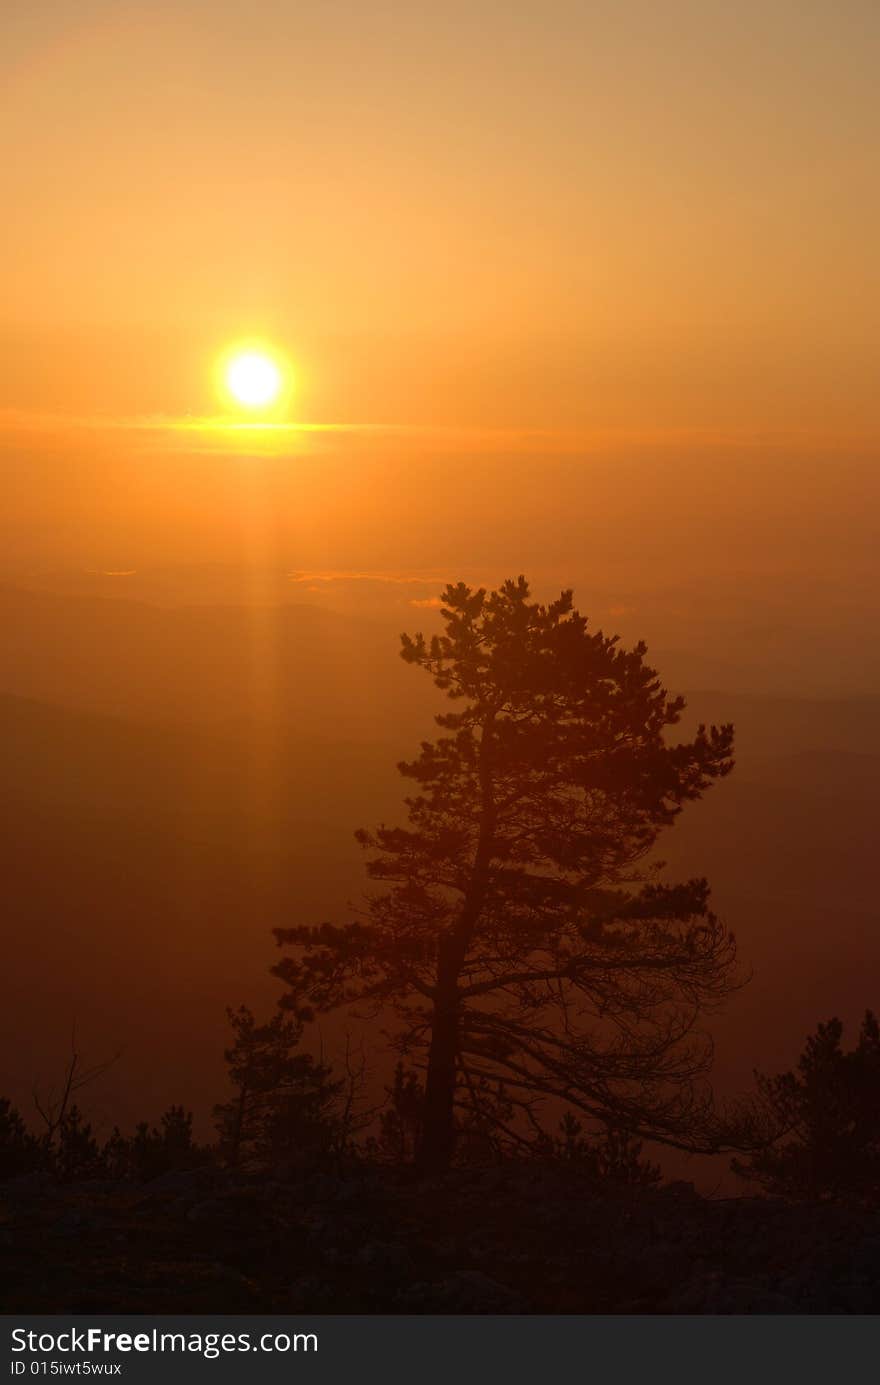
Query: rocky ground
[{"x": 518, "y": 1239}]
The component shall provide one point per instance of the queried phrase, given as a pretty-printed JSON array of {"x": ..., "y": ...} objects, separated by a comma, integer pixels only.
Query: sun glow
[{"x": 254, "y": 378}]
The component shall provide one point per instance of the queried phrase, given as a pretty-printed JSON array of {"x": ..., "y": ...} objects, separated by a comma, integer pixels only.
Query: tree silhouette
[
  {"x": 19, "y": 1151},
  {"x": 613, "y": 1157},
  {"x": 829, "y": 1110},
  {"x": 75, "y": 1154},
  {"x": 400, "y": 1124},
  {"x": 56, "y": 1107},
  {"x": 152, "y": 1151},
  {"x": 286, "y": 1103},
  {"x": 523, "y": 944}
]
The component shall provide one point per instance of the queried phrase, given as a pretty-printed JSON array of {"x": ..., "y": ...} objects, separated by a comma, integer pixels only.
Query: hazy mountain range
[{"x": 177, "y": 780}]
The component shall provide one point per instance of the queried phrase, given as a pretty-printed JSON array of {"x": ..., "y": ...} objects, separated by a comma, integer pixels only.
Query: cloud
[
  {"x": 402, "y": 579},
  {"x": 212, "y": 434}
]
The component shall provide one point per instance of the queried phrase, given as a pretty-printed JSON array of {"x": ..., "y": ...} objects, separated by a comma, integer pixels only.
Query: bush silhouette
[
  {"x": 19, "y": 1151},
  {"x": 286, "y": 1104},
  {"x": 828, "y": 1111}
]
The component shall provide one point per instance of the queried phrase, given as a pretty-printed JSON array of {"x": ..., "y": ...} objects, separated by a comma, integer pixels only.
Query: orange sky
[
  {"x": 634, "y": 216},
  {"x": 585, "y": 290}
]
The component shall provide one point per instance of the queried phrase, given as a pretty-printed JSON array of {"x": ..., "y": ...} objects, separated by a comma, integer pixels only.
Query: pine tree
[
  {"x": 524, "y": 947},
  {"x": 152, "y": 1151},
  {"x": 19, "y": 1151},
  {"x": 76, "y": 1154},
  {"x": 286, "y": 1104},
  {"x": 828, "y": 1113}
]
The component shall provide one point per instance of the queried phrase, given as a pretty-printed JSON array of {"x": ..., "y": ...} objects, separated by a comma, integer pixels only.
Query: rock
[
  {"x": 716, "y": 1294},
  {"x": 190, "y": 1182},
  {"x": 28, "y": 1187},
  {"x": 510, "y": 1239},
  {"x": 678, "y": 1188},
  {"x": 77, "y": 1220},
  {"x": 384, "y": 1255},
  {"x": 225, "y": 1274},
  {"x": 213, "y": 1211},
  {"x": 309, "y": 1294},
  {"x": 465, "y": 1291}
]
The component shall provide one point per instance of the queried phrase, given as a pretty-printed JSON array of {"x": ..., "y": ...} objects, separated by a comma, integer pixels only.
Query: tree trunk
[
  {"x": 437, "y": 1141},
  {"x": 238, "y": 1129}
]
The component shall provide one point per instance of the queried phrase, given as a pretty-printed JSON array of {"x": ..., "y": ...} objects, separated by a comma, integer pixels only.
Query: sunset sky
[
  {"x": 631, "y": 247},
  {"x": 309, "y": 309}
]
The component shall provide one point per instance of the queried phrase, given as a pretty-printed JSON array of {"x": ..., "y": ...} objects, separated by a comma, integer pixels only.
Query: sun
[{"x": 254, "y": 379}]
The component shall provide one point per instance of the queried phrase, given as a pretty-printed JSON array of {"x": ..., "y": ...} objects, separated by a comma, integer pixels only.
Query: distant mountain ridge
[
  {"x": 178, "y": 781},
  {"x": 208, "y": 664}
]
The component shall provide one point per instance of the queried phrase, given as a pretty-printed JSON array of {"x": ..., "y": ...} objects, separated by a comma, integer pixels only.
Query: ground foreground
[{"x": 518, "y": 1239}]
